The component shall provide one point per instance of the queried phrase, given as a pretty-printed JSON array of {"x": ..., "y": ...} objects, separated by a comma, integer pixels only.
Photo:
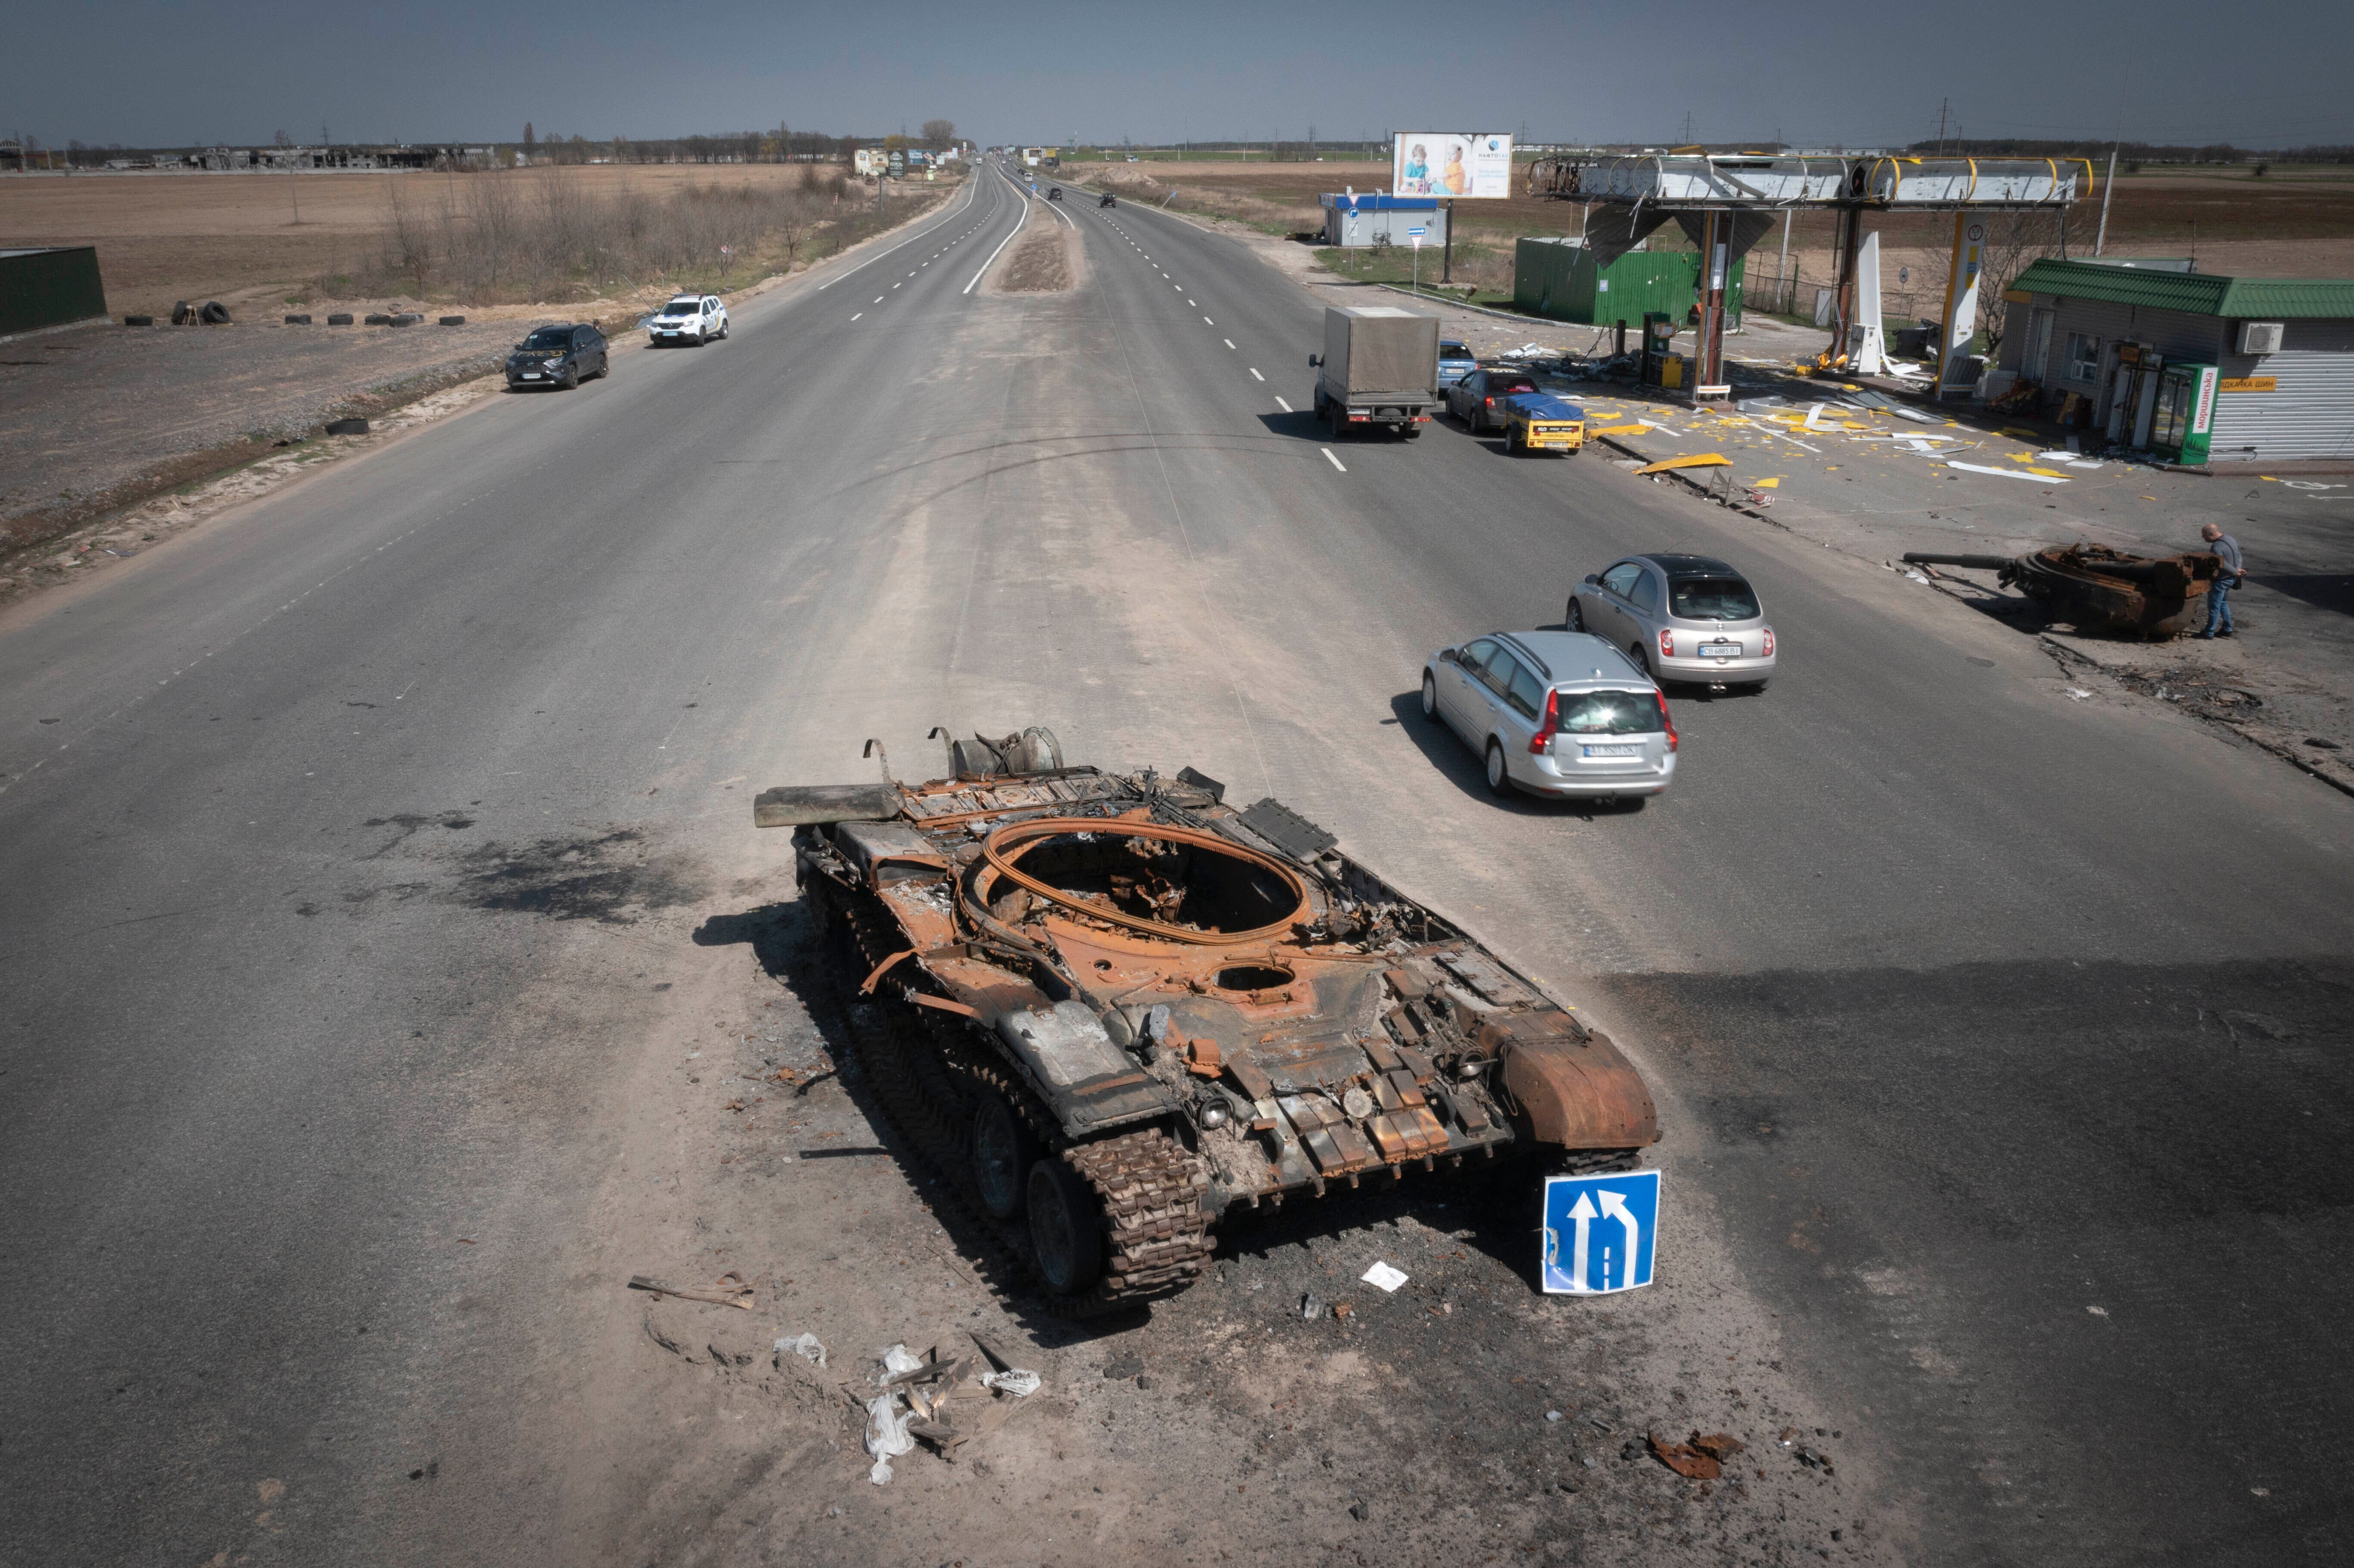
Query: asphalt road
[{"x": 2000, "y": 1037}]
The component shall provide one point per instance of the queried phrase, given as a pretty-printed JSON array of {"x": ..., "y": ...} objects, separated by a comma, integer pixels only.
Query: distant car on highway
[
  {"x": 1559, "y": 713},
  {"x": 1456, "y": 361},
  {"x": 690, "y": 318},
  {"x": 1478, "y": 399},
  {"x": 558, "y": 356},
  {"x": 1681, "y": 618},
  {"x": 1054, "y": 193},
  {"x": 1108, "y": 199}
]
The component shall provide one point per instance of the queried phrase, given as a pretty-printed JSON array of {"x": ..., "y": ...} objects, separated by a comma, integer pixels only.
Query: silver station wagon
[
  {"x": 1681, "y": 618},
  {"x": 1560, "y": 714}
]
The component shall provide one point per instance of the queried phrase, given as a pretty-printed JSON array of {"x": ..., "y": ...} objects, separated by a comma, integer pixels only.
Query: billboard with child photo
[{"x": 1451, "y": 164}]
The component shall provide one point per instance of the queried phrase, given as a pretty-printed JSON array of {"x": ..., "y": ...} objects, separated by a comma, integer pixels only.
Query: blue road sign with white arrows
[{"x": 1600, "y": 1233}]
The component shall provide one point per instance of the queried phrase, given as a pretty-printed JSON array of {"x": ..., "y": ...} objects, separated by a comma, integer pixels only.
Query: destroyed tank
[{"x": 1108, "y": 1008}]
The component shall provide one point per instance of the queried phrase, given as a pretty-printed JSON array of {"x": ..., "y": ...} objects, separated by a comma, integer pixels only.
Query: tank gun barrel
[{"x": 1923, "y": 558}]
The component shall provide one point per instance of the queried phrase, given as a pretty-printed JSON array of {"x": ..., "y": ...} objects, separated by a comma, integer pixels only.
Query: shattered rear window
[{"x": 1609, "y": 712}]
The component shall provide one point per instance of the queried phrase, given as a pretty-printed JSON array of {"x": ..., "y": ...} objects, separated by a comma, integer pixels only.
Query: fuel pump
[{"x": 1658, "y": 335}]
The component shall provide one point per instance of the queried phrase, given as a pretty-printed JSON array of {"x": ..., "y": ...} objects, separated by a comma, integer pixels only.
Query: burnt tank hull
[{"x": 1114, "y": 1007}]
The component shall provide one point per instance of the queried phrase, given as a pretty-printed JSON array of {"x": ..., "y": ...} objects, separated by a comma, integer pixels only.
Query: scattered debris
[
  {"x": 1691, "y": 460},
  {"x": 1384, "y": 1278},
  {"x": 944, "y": 1402},
  {"x": 805, "y": 1346},
  {"x": 1552, "y": 1416},
  {"x": 732, "y": 1291},
  {"x": 1699, "y": 1460},
  {"x": 1812, "y": 1459},
  {"x": 2078, "y": 694},
  {"x": 1309, "y": 1308}
]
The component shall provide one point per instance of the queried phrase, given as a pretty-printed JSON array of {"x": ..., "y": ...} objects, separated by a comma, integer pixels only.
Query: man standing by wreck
[{"x": 2218, "y": 596}]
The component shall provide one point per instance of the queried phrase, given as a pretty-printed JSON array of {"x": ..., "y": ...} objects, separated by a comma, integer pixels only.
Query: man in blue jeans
[{"x": 2219, "y": 592}]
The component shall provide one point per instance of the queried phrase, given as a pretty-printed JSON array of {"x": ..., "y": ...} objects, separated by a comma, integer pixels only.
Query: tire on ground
[
  {"x": 341, "y": 319},
  {"x": 347, "y": 427},
  {"x": 215, "y": 313},
  {"x": 298, "y": 320},
  {"x": 139, "y": 321},
  {"x": 453, "y": 321}
]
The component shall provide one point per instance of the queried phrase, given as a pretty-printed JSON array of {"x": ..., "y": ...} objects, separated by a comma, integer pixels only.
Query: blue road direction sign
[
  {"x": 1600, "y": 1233},
  {"x": 1417, "y": 231}
]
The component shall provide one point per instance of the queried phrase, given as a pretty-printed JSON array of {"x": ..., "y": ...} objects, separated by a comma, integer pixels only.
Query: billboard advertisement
[{"x": 1451, "y": 164}]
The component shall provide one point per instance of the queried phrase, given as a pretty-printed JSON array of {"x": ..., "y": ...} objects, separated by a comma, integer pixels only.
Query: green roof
[{"x": 2198, "y": 294}]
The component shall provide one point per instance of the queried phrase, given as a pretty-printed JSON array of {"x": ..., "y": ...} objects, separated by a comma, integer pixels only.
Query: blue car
[{"x": 1455, "y": 363}]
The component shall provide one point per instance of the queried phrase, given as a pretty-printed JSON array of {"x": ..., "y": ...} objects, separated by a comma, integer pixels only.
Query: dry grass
[
  {"x": 235, "y": 237},
  {"x": 547, "y": 236}
]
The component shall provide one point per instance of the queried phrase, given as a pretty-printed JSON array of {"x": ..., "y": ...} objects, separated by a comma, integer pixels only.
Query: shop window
[{"x": 2084, "y": 358}]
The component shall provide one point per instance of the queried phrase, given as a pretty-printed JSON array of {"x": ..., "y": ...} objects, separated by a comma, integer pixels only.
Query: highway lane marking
[
  {"x": 900, "y": 285},
  {"x": 1255, "y": 375},
  {"x": 860, "y": 313},
  {"x": 1281, "y": 404},
  {"x": 1228, "y": 342},
  {"x": 970, "y": 190},
  {"x": 1001, "y": 246},
  {"x": 878, "y": 299},
  {"x": 1204, "y": 318},
  {"x": 1331, "y": 458}
]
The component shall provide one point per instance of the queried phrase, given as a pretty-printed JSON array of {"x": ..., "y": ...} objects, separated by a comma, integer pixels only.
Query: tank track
[{"x": 928, "y": 1071}]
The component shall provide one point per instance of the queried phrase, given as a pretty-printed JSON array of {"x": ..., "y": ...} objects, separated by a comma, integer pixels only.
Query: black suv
[
  {"x": 1109, "y": 200},
  {"x": 558, "y": 356},
  {"x": 1054, "y": 193}
]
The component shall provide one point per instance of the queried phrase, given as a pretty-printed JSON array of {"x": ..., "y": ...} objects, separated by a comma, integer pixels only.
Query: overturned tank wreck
[
  {"x": 2094, "y": 588},
  {"x": 1112, "y": 1008}
]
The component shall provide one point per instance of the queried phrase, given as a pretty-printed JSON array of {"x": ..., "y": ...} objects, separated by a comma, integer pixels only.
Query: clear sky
[{"x": 1820, "y": 72}]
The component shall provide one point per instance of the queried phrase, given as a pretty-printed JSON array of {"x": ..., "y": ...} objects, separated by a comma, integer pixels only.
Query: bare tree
[
  {"x": 284, "y": 140},
  {"x": 2014, "y": 242},
  {"x": 938, "y": 134}
]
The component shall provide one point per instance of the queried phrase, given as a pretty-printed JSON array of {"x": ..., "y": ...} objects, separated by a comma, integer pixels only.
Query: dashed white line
[
  {"x": 1281, "y": 404},
  {"x": 860, "y": 313},
  {"x": 1255, "y": 375},
  {"x": 1204, "y": 318},
  {"x": 1331, "y": 458},
  {"x": 878, "y": 299},
  {"x": 1228, "y": 342}
]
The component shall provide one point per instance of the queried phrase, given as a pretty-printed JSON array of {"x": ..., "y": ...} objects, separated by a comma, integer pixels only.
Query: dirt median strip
[{"x": 1040, "y": 264}]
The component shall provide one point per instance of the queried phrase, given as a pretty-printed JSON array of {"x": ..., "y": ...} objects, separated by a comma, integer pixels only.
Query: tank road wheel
[
  {"x": 1002, "y": 1150},
  {"x": 1066, "y": 1228},
  {"x": 1430, "y": 696}
]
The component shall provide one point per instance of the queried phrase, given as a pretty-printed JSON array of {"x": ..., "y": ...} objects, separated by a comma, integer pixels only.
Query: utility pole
[
  {"x": 2125, "y": 86},
  {"x": 2101, "y": 237},
  {"x": 1941, "y": 126}
]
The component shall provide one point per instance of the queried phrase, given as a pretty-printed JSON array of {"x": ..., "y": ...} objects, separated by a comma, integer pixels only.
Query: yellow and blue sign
[{"x": 1600, "y": 1233}]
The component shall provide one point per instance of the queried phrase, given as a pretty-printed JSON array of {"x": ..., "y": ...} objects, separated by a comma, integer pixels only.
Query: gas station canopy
[{"x": 1728, "y": 201}]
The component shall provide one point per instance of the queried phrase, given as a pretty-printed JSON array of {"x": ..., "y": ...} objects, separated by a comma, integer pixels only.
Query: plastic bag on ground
[
  {"x": 804, "y": 1346},
  {"x": 896, "y": 1360},
  {"x": 1019, "y": 1383},
  {"x": 886, "y": 1434}
]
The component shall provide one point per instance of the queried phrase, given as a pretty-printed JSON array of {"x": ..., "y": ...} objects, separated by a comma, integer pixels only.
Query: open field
[{"x": 237, "y": 238}]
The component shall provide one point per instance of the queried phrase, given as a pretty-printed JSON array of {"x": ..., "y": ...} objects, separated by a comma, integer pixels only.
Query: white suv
[{"x": 690, "y": 318}]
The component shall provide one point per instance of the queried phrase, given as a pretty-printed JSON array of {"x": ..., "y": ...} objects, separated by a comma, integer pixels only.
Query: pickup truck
[
  {"x": 1540, "y": 422},
  {"x": 1379, "y": 367}
]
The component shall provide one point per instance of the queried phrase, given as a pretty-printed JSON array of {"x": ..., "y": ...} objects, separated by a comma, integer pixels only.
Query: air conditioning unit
[{"x": 2260, "y": 337}]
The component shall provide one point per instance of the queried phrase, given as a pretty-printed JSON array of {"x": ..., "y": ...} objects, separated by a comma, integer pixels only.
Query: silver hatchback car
[
  {"x": 1681, "y": 618},
  {"x": 1554, "y": 713}
]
